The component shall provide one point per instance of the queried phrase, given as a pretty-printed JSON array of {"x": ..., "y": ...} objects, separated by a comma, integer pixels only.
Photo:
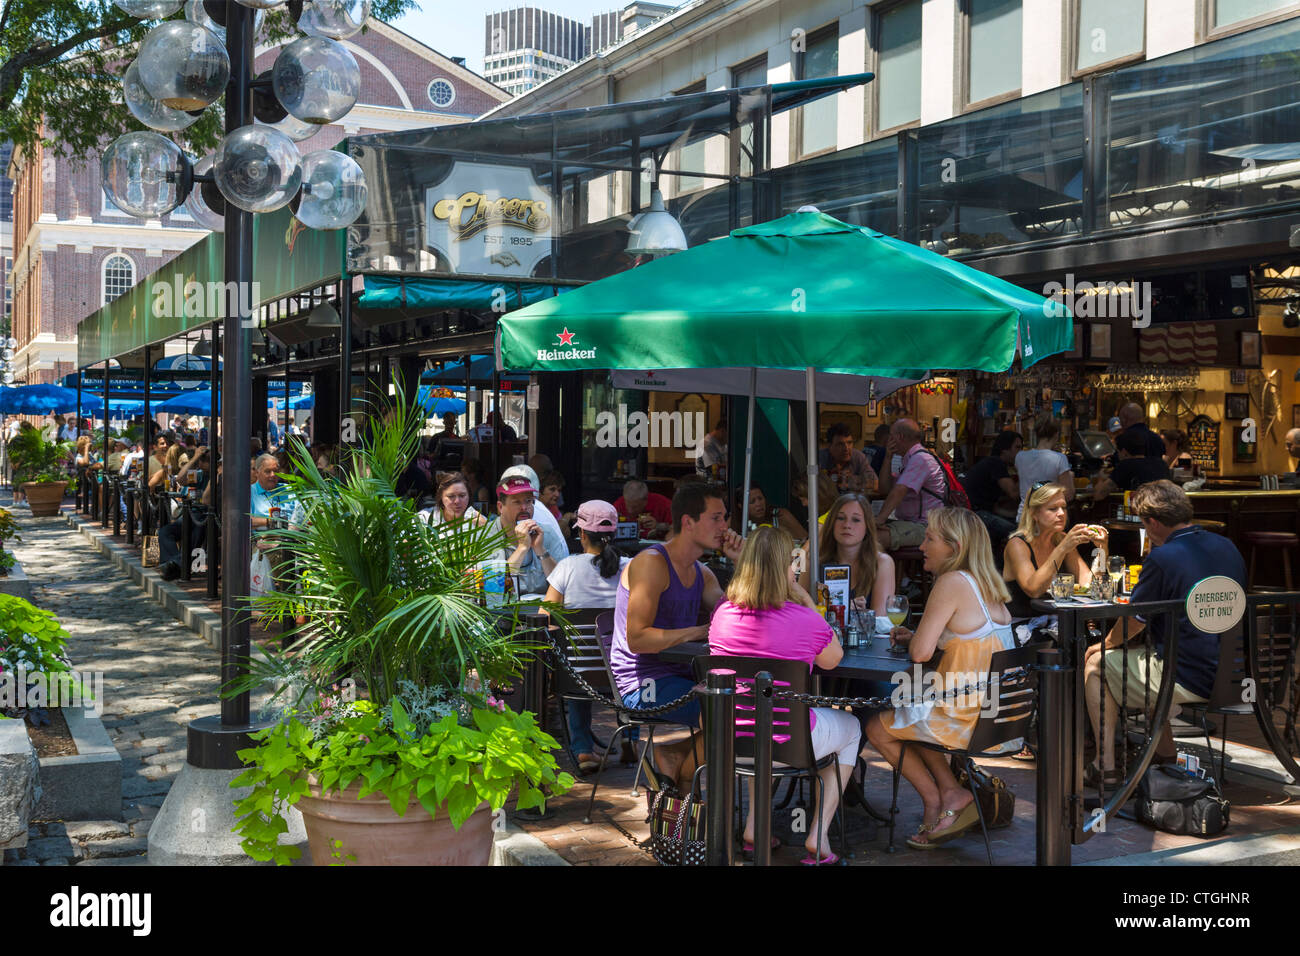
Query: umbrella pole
[
  {"x": 749, "y": 452},
  {"x": 810, "y": 386}
]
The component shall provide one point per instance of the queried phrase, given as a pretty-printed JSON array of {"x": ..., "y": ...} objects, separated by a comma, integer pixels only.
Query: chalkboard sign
[{"x": 1203, "y": 436}]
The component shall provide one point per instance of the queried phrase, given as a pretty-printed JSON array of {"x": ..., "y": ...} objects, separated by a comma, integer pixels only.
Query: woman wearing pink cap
[{"x": 588, "y": 580}]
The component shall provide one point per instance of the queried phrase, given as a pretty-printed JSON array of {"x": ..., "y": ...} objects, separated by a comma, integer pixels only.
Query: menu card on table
[{"x": 836, "y": 579}]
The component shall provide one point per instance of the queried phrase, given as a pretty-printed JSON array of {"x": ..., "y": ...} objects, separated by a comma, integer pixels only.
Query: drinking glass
[
  {"x": 897, "y": 608},
  {"x": 1063, "y": 587}
]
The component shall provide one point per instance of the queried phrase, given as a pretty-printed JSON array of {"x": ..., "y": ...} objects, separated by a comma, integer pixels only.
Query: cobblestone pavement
[{"x": 158, "y": 676}]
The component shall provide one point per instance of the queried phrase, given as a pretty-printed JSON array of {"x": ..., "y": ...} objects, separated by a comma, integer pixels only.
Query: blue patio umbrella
[
  {"x": 434, "y": 406},
  {"x": 480, "y": 371},
  {"x": 39, "y": 400},
  {"x": 190, "y": 403}
]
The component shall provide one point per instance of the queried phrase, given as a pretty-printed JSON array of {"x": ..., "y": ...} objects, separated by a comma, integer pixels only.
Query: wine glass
[{"x": 897, "y": 608}]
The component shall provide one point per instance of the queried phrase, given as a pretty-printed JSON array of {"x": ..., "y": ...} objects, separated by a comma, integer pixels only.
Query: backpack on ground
[
  {"x": 1175, "y": 801},
  {"x": 954, "y": 495}
]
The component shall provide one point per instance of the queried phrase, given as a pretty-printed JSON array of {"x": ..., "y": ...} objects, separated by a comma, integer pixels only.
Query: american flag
[{"x": 1179, "y": 343}]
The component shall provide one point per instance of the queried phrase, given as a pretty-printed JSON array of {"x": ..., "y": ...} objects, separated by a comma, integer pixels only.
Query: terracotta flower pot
[
  {"x": 44, "y": 497},
  {"x": 376, "y": 836}
]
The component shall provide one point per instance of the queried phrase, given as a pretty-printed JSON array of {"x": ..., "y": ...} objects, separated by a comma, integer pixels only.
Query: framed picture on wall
[
  {"x": 1251, "y": 351},
  {"x": 1236, "y": 406},
  {"x": 1098, "y": 341},
  {"x": 1237, "y": 376},
  {"x": 1243, "y": 452},
  {"x": 873, "y": 408}
]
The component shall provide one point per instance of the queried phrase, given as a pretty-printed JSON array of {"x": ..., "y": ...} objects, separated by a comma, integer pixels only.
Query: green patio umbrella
[{"x": 804, "y": 291}]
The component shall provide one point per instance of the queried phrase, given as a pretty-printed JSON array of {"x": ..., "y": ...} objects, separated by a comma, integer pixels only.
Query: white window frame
[
  {"x": 103, "y": 275},
  {"x": 106, "y": 207},
  {"x": 428, "y": 92}
]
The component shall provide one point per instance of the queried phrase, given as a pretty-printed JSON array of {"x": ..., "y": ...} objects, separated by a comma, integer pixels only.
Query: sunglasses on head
[{"x": 1038, "y": 484}]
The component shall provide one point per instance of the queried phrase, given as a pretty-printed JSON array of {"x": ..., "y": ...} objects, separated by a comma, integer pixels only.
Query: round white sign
[{"x": 1216, "y": 604}]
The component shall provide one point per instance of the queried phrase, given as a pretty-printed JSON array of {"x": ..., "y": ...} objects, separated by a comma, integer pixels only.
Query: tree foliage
[{"x": 61, "y": 66}]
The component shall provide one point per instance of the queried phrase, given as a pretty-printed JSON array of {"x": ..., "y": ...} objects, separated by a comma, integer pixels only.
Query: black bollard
[
  {"x": 762, "y": 790},
  {"x": 1053, "y": 836},
  {"x": 720, "y": 740},
  {"x": 187, "y": 531}
]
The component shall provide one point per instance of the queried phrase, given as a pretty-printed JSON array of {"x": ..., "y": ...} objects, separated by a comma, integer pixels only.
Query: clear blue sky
[{"x": 455, "y": 27}]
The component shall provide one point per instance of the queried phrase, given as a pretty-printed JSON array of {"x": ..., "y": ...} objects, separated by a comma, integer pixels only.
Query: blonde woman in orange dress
[{"x": 966, "y": 617}]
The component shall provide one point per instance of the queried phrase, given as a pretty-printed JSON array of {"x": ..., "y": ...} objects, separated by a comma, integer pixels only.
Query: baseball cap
[
  {"x": 119, "y": 440},
  {"x": 1114, "y": 425},
  {"x": 514, "y": 485},
  {"x": 522, "y": 471},
  {"x": 597, "y": 516}
]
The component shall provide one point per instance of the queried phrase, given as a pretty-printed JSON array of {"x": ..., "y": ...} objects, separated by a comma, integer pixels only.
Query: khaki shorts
[
  {"x": 905, "y": 534},
  {"x": 1139, "y": 667}
]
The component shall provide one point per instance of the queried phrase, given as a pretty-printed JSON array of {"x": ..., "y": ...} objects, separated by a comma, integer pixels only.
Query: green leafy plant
[
  {"x": 9, "y": 531},
  {"x": 33, "y": 647},
  {"x": 391, "y": 603},
  {"x": 36, "y": 459}
]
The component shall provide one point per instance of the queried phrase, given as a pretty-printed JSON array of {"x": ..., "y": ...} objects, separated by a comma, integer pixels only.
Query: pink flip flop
[{"x": 829, "y": 860}]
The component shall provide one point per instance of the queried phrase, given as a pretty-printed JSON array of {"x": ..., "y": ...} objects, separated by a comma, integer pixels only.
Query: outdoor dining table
[{"x": 873, "y": 663}]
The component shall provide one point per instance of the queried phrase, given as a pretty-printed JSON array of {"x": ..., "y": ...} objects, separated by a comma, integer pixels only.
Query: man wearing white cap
[{"x": 556, "y": 540}]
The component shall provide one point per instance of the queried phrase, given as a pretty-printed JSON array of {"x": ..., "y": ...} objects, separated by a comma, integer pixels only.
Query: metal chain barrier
[
  {"x": 878, "y": 703},
  {"x": 598, "y": 697}
]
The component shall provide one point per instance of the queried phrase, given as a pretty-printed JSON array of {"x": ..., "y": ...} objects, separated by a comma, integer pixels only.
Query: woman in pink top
[{"x": 767, "y": 614}]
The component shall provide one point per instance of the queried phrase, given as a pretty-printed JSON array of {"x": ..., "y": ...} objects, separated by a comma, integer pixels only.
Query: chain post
[
  {"x": 762, "y": 789},
  {"x": 1052, "y": 823},
  {"x": 720, "y": 741}
]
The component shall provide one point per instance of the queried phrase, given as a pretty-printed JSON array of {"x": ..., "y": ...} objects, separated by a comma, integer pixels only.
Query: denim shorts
[{"x": 667, "y": 689}]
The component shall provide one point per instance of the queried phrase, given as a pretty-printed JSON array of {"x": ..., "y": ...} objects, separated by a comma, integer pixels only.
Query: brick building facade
[{"x": 73, "y": 251}]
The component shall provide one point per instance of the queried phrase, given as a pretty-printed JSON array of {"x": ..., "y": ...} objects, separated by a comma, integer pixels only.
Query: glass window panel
[
  {"x": 1109, "y": 30},
  {"x": 1202, "y": 132},
  {"x": 753, "y": 73},
  {"x": 858, "y": 185},
  {"x": 1001, "y": 176},
  {"x": 898, "y": 73},
  {"x": 822, "y": 58},
  {"x": 995, "y": 48},
  {"x": 119, "y": 276},
  {"x": 1234, "y": 11}
]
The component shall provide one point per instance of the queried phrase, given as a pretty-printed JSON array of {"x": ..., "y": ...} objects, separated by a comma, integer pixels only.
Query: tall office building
[{"x": 527, "y": 45}]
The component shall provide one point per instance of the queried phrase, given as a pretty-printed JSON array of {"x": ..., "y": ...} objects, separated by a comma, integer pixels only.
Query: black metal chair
[
  {"x": 1225, "y": 698},
  {"x": 792, "y": 748},
  {"x": 577, "y": 641},
  {"x": 626, "y": 721},
  {"x": 1015, "y": 686}
]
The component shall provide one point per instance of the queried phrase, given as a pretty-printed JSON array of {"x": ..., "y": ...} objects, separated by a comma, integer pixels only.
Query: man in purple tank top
[{"x": 660, "y": 595}]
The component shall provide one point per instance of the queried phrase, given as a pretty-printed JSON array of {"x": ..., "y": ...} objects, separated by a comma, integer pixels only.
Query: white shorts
[{"x": 837, "y": 732}]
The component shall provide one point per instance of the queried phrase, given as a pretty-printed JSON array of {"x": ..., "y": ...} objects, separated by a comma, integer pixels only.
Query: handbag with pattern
[
  {"x": 149, "y": 552},
  {"x": 997, "y": 803},
  {"x": 677, "y": 829}
]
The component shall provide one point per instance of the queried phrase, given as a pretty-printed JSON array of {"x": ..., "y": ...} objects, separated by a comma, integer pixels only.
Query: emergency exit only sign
[{"x": 1216, "y": 604}]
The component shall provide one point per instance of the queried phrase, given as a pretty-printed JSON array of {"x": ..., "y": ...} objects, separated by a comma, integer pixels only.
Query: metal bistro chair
[
  {"x": 1009, "y": 720},
  {"x": 1225, "y": 697},
  {"x": 626, "y": 721},
  {"x": 578, "y": 642},
  {"x": 792, "y": 748}
]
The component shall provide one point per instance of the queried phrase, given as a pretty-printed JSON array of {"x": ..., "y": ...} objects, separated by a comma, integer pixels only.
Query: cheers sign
[
  {"x": 471, "y": 213},
  {"x": 484, "y": 219}
]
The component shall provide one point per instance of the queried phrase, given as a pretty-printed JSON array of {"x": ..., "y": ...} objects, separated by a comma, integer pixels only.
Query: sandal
[
  {"x": 963, "y": 821},
  {"x": 587, "y": 763},
  {"x": 829, "y": 860},
  {"x": 1026, "y": 754},
  {"x": 921, "y": 831},
  {"x": 747, "y": 849},
  {"x": 1094, "y": 778}
]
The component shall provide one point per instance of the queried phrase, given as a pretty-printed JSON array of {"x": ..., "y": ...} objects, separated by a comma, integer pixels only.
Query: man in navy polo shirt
[{"x": 1182, "y": 555}]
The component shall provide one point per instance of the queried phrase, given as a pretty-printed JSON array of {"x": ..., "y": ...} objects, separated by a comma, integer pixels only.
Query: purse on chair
[
  {"x": 997, "y": 803},
  {"x": 677, "y": 828}
]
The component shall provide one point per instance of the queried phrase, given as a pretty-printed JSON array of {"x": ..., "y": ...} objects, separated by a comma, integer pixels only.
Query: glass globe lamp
[
  {"x": 260, "y": 4},
  {"x": 257, "y": 168},
  {"x": 333, "y": 19},
  {"x": 147, "y": 109},
  {"x": 205, "y": 202},
  {"x": 145, "y": 174},
  {"x": 149, "y": 9},
  {"x": 183, "y": 65},
  {"x": 294, "y": 128},
  {"x": 316, "y": 80},
  {"x": 333, "y": 190}
]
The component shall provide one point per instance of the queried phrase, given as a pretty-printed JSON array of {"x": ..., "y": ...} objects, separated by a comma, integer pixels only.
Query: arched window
[{"x": 119, "y": 275}]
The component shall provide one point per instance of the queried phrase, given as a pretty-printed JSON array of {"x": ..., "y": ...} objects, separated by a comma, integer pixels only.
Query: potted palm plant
[
  {"x": 391, "y": 742},
  {"x": 40, "y": 468}
]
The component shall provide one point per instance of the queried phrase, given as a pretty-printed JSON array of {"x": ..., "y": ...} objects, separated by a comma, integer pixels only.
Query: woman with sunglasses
[{"x": 1041, "y": 548}]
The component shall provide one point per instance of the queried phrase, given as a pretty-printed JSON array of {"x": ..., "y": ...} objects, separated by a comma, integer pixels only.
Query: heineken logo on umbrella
[{"x": 565, "y": 338}]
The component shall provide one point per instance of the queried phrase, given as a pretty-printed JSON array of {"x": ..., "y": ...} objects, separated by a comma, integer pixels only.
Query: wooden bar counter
[{"x": 1240, "y": 510}]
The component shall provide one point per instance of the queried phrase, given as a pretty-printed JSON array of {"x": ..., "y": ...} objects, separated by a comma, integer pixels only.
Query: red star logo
[{"x": 566, "y": 337}]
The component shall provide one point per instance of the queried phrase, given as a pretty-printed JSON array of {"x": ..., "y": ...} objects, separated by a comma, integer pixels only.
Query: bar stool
[{"x": 1282, "y": 540}]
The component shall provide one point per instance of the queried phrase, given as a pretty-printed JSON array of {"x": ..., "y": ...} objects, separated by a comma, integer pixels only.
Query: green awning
[
  {"x": 416, "y": 292},
  {"x": 189, "y": 291},
  {"x": 804, "y": 290}
]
